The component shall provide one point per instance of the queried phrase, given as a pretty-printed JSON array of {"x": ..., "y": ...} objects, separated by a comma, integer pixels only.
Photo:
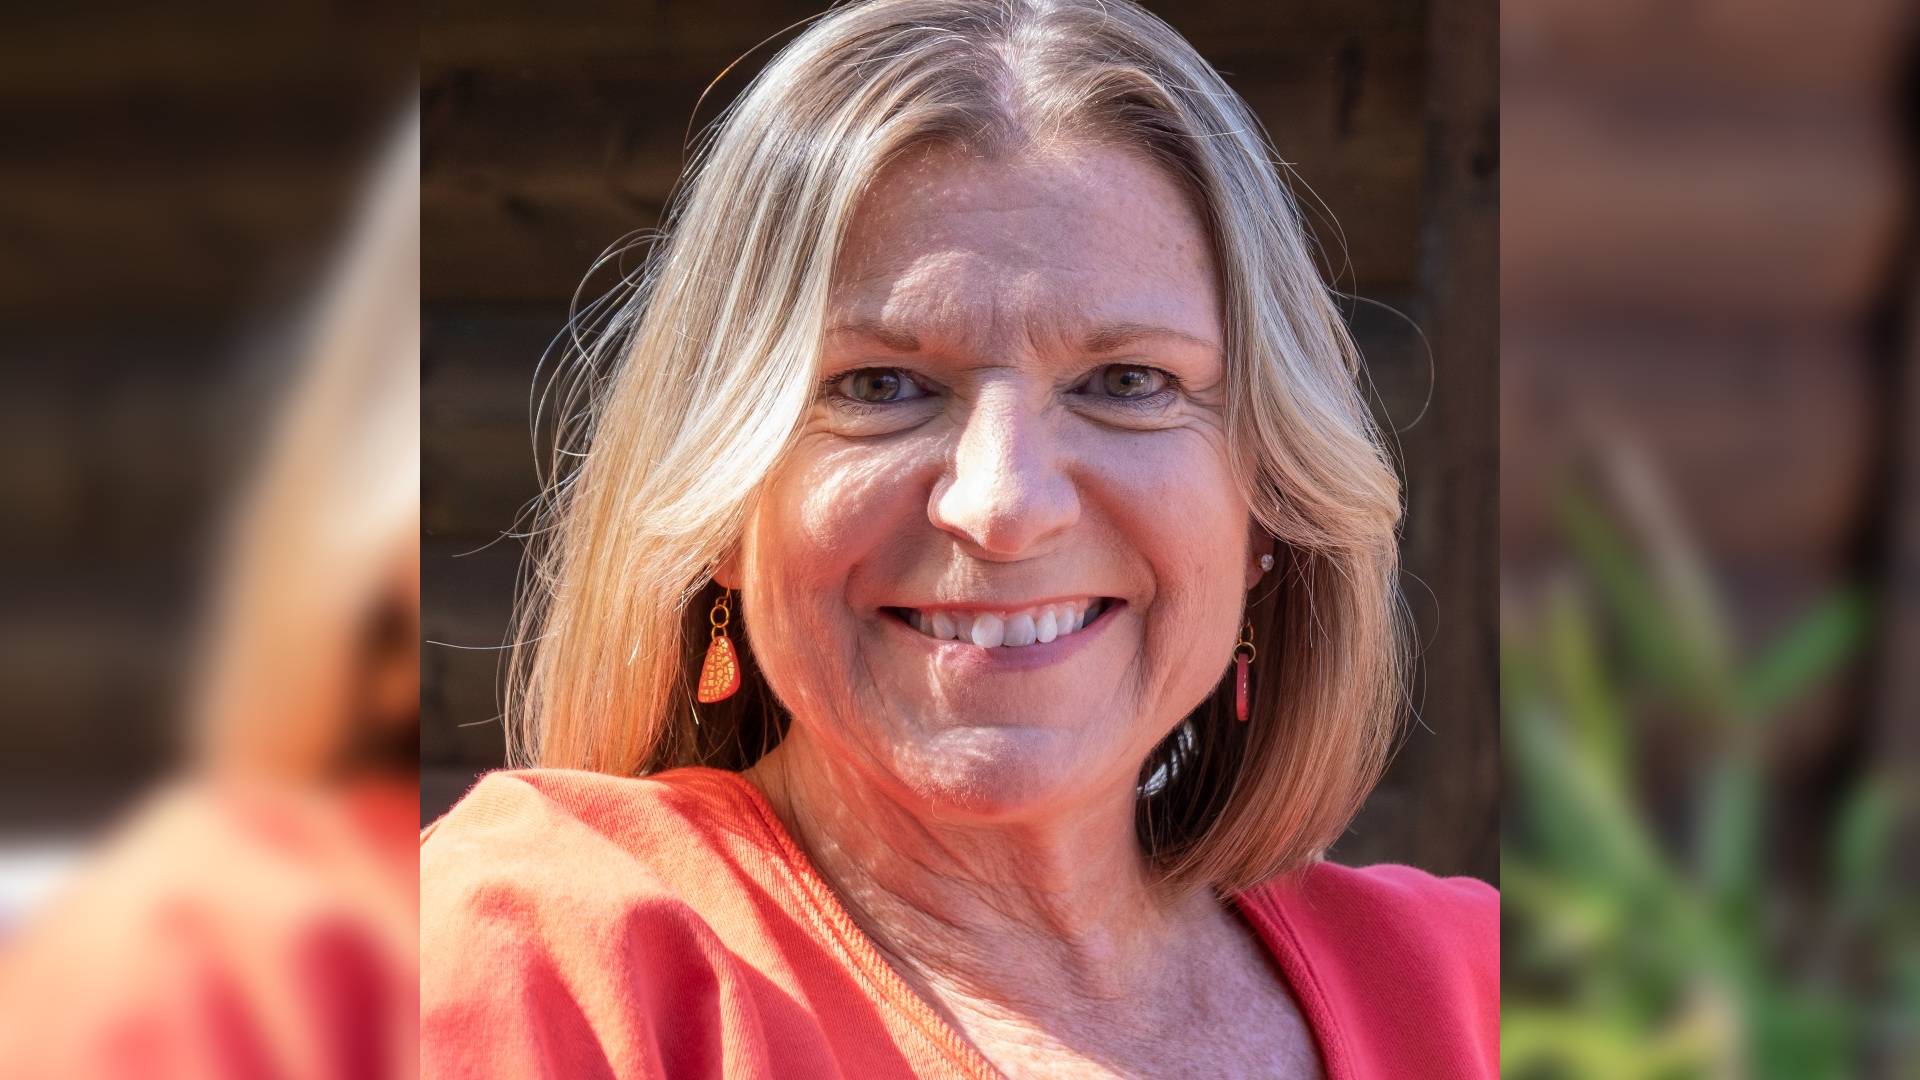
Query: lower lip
[{"x": 967, "y": 657}]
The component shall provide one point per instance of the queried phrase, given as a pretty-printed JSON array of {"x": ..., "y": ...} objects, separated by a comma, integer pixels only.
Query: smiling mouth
[{"x": 1006, "y": 629}]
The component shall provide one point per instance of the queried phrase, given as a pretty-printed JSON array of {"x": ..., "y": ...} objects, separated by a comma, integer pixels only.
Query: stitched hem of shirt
[{"x": 855, "y": 947}]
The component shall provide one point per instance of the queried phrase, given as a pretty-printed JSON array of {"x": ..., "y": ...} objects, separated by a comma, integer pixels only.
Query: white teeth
[{"x": 993, "y": 629}]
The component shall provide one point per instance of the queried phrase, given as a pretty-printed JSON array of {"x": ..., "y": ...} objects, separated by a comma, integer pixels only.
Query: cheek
[
  {"x": 1179, "y": 505},
  {"x": 828, "y": 510},
  {"x": 820, "y": 522},
  {"x": 1175, "y": 504}
]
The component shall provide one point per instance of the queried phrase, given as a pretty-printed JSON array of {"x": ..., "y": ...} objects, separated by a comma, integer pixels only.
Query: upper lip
[{"x": 1010, "y": 605}]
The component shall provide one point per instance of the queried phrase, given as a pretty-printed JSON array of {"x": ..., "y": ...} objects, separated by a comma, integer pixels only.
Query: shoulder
[
  {"x": 564, "y": 914},
  {"x": 1388, "y": 941},
  {"x": 510, "y": 803},
  {"x": 1445, "y": 926},
  {"x": 568, "y": 838},
  {"x": 1403, "y": 902}
]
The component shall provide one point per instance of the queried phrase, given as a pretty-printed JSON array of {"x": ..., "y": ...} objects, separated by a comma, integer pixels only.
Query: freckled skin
[
  {"x": 1002, "y": 482},
  {"x": 979, "y": 825}
]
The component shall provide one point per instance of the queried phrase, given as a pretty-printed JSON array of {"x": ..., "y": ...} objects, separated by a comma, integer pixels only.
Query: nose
[{"x": 1006, "y": 491}]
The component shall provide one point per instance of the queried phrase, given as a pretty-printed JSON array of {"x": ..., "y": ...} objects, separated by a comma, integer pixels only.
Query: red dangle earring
[
  {"x": 720, "y": 674},
  {"x": 1243, "y": 653}
]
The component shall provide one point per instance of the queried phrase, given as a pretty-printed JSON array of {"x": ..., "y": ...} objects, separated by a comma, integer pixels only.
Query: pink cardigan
[
  {"x": 1397, "y": 971},
  {"x": 582, "y": 925}
]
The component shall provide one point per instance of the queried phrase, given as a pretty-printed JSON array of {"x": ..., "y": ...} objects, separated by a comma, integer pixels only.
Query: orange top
[{"x": 583, "y": 925}]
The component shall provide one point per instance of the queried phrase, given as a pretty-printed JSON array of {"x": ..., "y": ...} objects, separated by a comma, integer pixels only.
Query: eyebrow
[
  {"x": 892, "y": 337},
  {"x": 1120, "y": 335},
  {"x": 1103, "y": 339}
]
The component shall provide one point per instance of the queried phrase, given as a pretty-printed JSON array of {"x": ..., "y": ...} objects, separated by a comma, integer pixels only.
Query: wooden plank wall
[{"x": 551, "y": 133}]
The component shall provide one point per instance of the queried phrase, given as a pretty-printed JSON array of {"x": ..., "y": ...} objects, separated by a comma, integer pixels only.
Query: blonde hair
[{"x": 709, "y": 367}]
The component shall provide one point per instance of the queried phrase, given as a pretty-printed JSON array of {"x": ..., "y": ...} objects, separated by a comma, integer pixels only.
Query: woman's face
[{"x": 1021, "y": 430}]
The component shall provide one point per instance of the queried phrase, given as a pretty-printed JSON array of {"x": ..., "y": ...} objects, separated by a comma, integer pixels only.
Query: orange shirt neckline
[
  {"x": 1263, "y": 913},
  {"x": 856, "y": 948}
]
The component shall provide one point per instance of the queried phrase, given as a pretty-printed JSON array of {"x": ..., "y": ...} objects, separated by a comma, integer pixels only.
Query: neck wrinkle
[{"x": 1016, "y": 920}]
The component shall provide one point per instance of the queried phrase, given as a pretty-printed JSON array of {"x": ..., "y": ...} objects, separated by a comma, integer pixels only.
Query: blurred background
[
  {"x": 1710, "y": 548},
  {"x": 172, "y": 184},
  {"x": 208, "y": 640},
  {"x": 552, "y": 132}
]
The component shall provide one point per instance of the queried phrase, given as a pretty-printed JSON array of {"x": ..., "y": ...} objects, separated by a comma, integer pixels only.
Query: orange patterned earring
[
  {"x": 720, "y": 674},
  {"x": 1243, "y": 653}
]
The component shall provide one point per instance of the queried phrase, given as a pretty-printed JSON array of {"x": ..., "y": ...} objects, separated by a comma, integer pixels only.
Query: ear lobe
[
  {"x": 1263, "y": 545},
  {"x": 727, "y": 574}
]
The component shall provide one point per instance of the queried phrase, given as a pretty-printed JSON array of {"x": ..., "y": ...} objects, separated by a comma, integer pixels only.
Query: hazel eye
[
  {"x": 877, "y": 386},
  {"x": 1128, "y": 381}
]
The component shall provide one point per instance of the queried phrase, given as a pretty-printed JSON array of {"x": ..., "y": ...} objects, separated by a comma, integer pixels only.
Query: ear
[
  {"x": 727, "y": 574},
  {"x": 1261, "y": 543}
]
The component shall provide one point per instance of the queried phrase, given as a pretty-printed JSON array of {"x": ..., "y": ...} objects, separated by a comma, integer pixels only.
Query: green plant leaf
[
  {"x": 1584, "y": 825},
  {"x": 1863, "y": 834},
  {"x": 1629, "y": 589},
  {"x": 1579, "y": 674},
  {"x": 1732, "y": 803},
  {"x": 1806, "y": 653}
]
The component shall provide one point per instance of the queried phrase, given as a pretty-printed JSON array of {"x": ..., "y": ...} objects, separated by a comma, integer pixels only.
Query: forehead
[{"x": 961, "y": 247}]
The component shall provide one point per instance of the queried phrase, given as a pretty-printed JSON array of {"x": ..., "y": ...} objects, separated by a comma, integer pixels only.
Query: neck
[{"x": 1028, "y": 916}]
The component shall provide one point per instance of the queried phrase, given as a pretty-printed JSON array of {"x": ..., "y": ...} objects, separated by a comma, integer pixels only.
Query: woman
[{"x": 971, "y": 614}]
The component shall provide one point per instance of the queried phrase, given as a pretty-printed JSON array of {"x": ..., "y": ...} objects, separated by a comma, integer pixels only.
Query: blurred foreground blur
[
  {"x": 1710, "y": 544},
  {"x": 209, "y": 317}
]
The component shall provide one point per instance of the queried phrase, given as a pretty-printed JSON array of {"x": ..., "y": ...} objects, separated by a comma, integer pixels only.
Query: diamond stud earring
[{"x": 1266, "y": 563}]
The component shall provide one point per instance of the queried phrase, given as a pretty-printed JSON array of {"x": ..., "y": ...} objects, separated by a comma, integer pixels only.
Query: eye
[
  {"x": 1128, "y": 382},
  {"x": 876, "y": 386}
]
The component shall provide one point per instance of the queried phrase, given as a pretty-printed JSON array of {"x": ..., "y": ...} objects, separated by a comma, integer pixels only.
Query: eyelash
[
  {"x": 1158, "y": 399},
  {"x": 829, "y": 390}
]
